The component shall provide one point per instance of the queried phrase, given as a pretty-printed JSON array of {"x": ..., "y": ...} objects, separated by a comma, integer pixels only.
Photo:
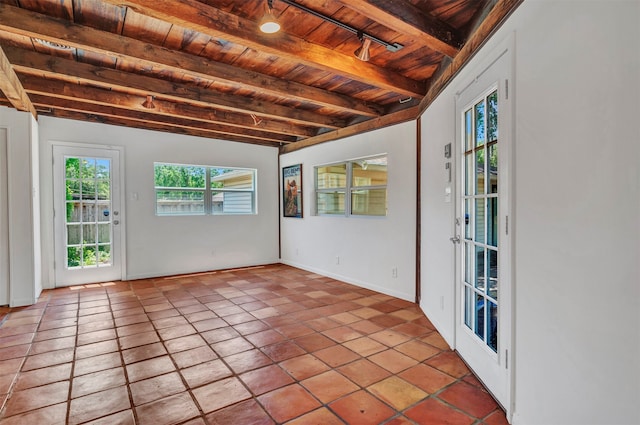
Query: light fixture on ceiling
[
  {"x": 362, "y": 52},
  {"x": 269, "y": 24},
  {"x": 148, "y": 103}
]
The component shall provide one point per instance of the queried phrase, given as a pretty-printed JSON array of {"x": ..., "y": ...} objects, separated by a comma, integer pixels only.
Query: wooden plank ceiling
[{"x": 209, "y": 71}]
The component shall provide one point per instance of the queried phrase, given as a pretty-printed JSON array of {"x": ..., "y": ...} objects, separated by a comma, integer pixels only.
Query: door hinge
[
  {"x": 506, "y": 359},
  {"x": 506, "y": 89},
  {"x": 506, "y": 225}
]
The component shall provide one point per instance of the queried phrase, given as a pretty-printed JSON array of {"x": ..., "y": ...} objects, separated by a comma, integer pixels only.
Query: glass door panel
[{"x": 480, "y": 200}]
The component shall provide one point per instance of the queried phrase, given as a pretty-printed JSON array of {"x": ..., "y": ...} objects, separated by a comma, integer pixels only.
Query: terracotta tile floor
[{"x": 260, "y": 345}]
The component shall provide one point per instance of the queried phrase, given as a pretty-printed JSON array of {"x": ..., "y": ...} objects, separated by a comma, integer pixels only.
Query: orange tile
[
  {"x": 304, "y": 366},
  {"x": 322, "y": 416},
  {"x": 121, "y": 418},
  {"x": 393, "y": 361},
  {"x": 471, "y": 399},
  {"x": 193, "y": 356},
  {"x": 427, "y": 378},
  {"x": 167, "y": 411},
  {"x": 450, "y": 363},
  {"x": 149, "y": 368},
  {"x": 287, "y": 403},
  {"x": 283, "y": 351},
  {"x": 97, "y": 381},
  {"x": 363, "y": 372},
  {"x": 246, "y": 412},
  {"x": 329, "y": 386},
  {"x": 417, "y": 350},
  {"x": 232, "y": 346},
  {"x": 219, "y": 394},
  {"x": 99, "y": 404},
  {"x": 361, "y": 408},
  {"x": 97, "y": 363},
  {"x": 432, "y": 411},
  {"x": 247, "y": 360},
  {"x": 365, "y": 346},
  {"x": 266, "y": 379},
  {"x": 143, "y": 352},
  {"x": 37, "y": 397},
  {"x": 55, "y": 414},
  {"x": 397, "y": 392},
  {"x": 152, "y": 389},
  {"x": 314, "y": 342},
  {"x": 336, "y": 356},
  {"x": 205, "y": 373}
]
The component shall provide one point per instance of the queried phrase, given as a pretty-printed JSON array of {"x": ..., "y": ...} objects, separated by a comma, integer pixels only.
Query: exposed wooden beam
[
  {"x": 407, "y": 19},
  {"x": 405, "y": 115},
  {"x": 37, "y": 64},
  {"x": 220, "y": 24},
  {"x": 497, "y": 15},
  {"x": 99, "y": 96},
  {"x": 20, "y": 21},
  {"x": 79, "y": 116},
  {"x": 148, "y": 117},
  {"x": 12, "y": 88}
]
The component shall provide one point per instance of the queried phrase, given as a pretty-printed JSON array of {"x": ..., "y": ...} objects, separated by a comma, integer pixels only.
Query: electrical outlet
[
  {"x": 394, "y": 272},
  {"x": 337, "y": 259}
]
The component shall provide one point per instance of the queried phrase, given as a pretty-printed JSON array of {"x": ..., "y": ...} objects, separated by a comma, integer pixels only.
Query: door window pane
[
  {"x": 480, "y": 312},
  {"x": 492, "y": 122},
  {"x": 492, "y": 326},
  {"x": 493, "y": 273},
  {"x": 479, "y": 220},
  {"x": 480, "y": 172},
  {"x": 493, "y": 169},
  {"x": 479, "y": 267},
  {"x": 480, "y": 123}
]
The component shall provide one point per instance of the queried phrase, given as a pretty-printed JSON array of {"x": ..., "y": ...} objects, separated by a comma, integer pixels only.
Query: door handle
[{"x": 455, "y": 239}]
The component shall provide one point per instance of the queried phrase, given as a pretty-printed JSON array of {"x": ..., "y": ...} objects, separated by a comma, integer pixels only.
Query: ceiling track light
[
  {"x": 269, "y": 24},
  {"x": 364, "y": 37}
]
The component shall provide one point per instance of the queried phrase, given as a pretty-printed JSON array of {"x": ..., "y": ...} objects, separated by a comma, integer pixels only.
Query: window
[
  {"x": 355, "y": 187},
  {"x": 199, "y": 190}
]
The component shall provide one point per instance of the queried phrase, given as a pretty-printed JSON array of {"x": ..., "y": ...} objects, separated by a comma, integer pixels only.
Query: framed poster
[{"x": 292, "y": 190}]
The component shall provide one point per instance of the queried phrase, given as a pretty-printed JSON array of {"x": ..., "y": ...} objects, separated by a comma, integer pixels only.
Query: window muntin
[
  {"x": 355, "y": 187},
  {"x": 204, "y": 190}
]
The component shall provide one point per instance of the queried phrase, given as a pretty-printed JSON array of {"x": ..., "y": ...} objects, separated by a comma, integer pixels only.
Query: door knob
[{"x": 455, "y": 239}]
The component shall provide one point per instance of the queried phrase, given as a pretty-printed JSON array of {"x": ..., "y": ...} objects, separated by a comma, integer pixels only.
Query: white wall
[
  {"x": 368, "y": 247},
  {"x": 159, "y": 246},
  {"x": 23, "y": 206},
  {"x": 577, "y": 211}
]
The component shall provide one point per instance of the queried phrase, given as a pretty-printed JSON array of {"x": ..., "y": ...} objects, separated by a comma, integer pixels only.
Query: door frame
[
  {"x": 5, "y": 260},
  {"x": 122, "y": 198},
  {"x": 506, "y": 208}
]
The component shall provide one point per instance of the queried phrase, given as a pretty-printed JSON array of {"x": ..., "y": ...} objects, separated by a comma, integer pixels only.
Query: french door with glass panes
[
  {"x": 87, "y": 215},
  {"x": 483, "y": 256}
]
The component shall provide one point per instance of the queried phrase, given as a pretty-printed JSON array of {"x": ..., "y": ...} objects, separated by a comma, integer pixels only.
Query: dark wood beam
[
  {"x": 12, "y": 88},
  {"x": 23, "y": 22},
  {"x": 99, "y": 96},
  {"x": 148, "y": 117},
  {"x": 220, "y": 24},
  {"x": 123, "y": 122},
  {"x": 37, "y": 64},
  {"x": 497, "y": 15},
  {"x": 399, "y": 117},
  {"x": 407, "y": 19}
]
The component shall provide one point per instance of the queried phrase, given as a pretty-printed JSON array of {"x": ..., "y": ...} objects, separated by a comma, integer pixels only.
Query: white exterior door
[
  {"x": 483, "y": 281},
  {"x": 88, "y": 215}
]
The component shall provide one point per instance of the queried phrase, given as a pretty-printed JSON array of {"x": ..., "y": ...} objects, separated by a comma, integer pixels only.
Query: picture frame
[{"x": 292, "y": 191}]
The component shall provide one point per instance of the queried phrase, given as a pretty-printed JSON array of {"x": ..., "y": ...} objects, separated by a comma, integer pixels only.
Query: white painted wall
[
  {"x": 368, "y": 247},
  {"x": 159, "y": 246},
  {"x": 577, "y": 211},
  {"x": 23, "y": 206}
]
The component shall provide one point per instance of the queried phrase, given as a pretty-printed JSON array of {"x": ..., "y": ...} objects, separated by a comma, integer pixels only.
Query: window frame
[
  {"x": 208, "y": 190},
  {"x": 349, "y": 189}
]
